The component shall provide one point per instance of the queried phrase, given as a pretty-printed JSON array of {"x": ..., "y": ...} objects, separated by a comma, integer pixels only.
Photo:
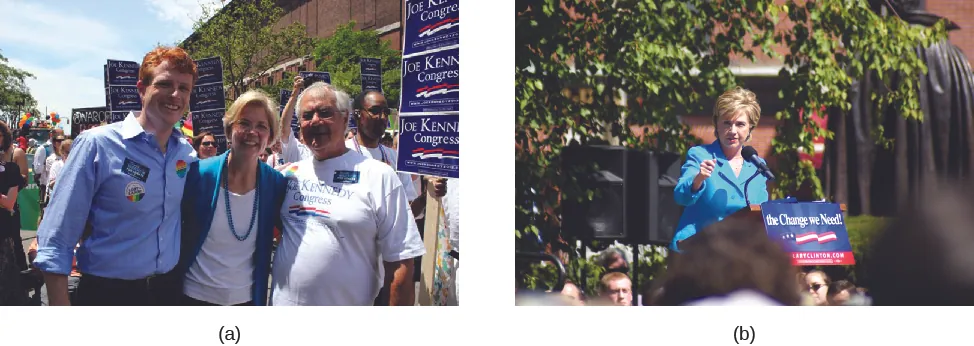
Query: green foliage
[
  {"x": 862, "y": 230},
  {"x": 340, "y": 53},
  {"x": 243, "y": 35},
  {"x": 833, "y": 43},
  {"x": 15, "y": 96},
  {"x": 649, "y": 62},
  {"x": 585, "y": 273}
]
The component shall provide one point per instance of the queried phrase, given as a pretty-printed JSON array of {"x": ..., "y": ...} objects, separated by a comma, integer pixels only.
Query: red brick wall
[{"x": 960, "y": 12}]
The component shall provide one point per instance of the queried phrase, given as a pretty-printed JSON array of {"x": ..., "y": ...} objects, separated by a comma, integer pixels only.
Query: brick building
[
  {"x": 322, "y": 17},
  {"x": 761, "y": 77}
]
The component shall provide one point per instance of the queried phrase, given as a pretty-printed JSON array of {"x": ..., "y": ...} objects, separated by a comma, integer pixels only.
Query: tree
[
  {"x": 15, "y": 96},
  {"x": 339, "y": 55},
  {"x": 648, "y": 62},
  {"x": 242, "y": 34}
]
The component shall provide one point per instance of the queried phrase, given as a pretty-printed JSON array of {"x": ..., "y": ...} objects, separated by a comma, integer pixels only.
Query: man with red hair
[{"x": 124, "y": 182}]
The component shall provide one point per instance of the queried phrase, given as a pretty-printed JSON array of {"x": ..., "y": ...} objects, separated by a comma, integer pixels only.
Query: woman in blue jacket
[
  {"x": 712, "y": 179},
  {"x": 230, "y": 207}
]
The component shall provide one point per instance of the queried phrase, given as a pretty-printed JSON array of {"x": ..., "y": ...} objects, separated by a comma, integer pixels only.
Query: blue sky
[{"x": 65, "y": 43}]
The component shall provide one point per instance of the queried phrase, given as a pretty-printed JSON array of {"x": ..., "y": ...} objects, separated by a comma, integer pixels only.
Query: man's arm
[
  {"x": 39, "y": 158},
  {"x": 399, "y": 279},
  {"x": 58, "y": 236},
  {"x": 20, "y": 158},
  {"x": 398, "y": 239},
  {"x": 289, "y": 108}
]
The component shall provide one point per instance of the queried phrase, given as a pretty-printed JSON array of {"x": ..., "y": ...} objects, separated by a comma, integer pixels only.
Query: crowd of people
[
  {"x": 138, "y": 214},
  {"x": 920, "y": 259}
]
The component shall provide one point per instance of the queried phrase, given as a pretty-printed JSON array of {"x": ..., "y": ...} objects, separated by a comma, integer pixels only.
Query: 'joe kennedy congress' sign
[
  {"x": 431, "y": 24},
  {"x": 813, "y": 233},
  {"x": 431, "y": 82},
  {"x": 430, "y": 145}
]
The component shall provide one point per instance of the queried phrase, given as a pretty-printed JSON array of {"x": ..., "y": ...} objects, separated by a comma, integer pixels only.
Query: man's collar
[{"x": 130, "y": 126}]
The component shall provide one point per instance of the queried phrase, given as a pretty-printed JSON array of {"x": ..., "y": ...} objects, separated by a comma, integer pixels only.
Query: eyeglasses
[
  {"x": 815, "y": 287},
  {"x": 247, "y": 126},
  {"x": 379, "y": 111},
  {"x": 324, "y": 113},
  {"x": 209, "y": 144}
]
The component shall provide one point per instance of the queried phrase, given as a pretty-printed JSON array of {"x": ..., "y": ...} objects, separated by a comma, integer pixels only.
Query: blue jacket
[
  {"x": 199, "y": 203},
  {"x": 719, "y": 196}
]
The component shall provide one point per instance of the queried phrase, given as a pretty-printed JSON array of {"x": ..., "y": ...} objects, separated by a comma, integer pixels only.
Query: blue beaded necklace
[{"x": 226, "y": 196}]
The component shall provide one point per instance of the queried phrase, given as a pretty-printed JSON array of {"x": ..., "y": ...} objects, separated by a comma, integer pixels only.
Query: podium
[
  {"x": 753, "y": 213},
  {"x": 813, "y": 233}
]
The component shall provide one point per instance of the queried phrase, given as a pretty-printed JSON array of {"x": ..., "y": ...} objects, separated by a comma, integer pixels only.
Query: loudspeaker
[{"x": 634, "y": 200}]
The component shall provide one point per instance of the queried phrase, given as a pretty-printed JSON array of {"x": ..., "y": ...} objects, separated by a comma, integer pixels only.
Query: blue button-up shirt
[{"x": 117, "y": 180}]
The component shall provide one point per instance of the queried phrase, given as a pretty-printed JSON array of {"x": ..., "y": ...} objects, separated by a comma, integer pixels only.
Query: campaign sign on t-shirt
[
  {"x": 122, "y": 72},
  {"x": 430, "y": 145},
  {"x": 207, "y": 97},
  {"x": 431, "y": 82},
  {"x": 431, "y": 24},
  {"x": 311, "y": 77},
  {"x": 210, "y": 70},
  {"x": 124, "y": 98},
  {"x": 814, "y": 233}
]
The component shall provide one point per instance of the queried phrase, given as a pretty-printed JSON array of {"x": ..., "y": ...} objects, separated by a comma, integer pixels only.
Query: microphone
[{"x": 751, "y": 156}]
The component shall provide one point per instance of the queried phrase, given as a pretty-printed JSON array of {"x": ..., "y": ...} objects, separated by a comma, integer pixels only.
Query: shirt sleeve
[
  {"x": 291, "y": 149},
  {"x": 683, "y": 191},
  {"x": 57, "y": 236},
  {"x": 407, "y": 182},
  {"x": 39, "y": 159},
  {"x": 398, "y": 236}
]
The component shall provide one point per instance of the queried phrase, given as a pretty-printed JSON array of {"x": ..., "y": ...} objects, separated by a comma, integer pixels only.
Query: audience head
[
  {"x": 727, "y": 257},
  {"x": 925, "y": 257},
  {"x": 616, "y": 289},
  {"x": 840, "y": 292},
  {"x": 817, "y": 284}
]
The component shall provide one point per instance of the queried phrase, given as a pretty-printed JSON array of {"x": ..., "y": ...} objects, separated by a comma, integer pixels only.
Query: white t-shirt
[
  {"x": 391, "y": 158},
  {"x": 224, "y": 270},
  {"x": 293, "y": 151},
  {"x": 339, "y": 216},
  {"x": 54, "y": 168},
  {"x": 451, "y": 209}
]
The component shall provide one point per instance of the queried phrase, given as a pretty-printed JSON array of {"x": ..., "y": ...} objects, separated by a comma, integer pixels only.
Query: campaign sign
[
  {"x": 118, "y": 116},
  {"x": 813, "y": 233},
  {"x": 206, "y": 97},
  {"x": 122, "y": 72},
  {"x": 210, "y": 70},
  {"x": 124, "y": 98},
  {"x": 371, "y": 66},
  {"x": 431, "y": 82},
  {"x": 284, "y": 97},
  {"x": 430, "y": 145},
  {"x": 108, "y": 99},
  {"x": 431, "y": 24},
  {"x": 312, "y": 77},
  {"x": 105, "y": 77},
  {"x": 371, "y": 83},
  {"x": 211, "y": 121},
  {"x": 221, "y": 142},
  {"x": 90, "y": 116}
]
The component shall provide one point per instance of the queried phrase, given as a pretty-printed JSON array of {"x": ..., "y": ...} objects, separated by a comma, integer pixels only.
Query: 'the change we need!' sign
[{"x": 813, "y": 233}]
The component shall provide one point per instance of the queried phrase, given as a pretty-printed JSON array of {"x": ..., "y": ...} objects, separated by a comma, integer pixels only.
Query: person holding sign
[
  {"x": 342, "y": 211},
  {"x": 230, "y": 208},
  {"x": 713, "y": 178},
  {"x": 124, "y": 180}
]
